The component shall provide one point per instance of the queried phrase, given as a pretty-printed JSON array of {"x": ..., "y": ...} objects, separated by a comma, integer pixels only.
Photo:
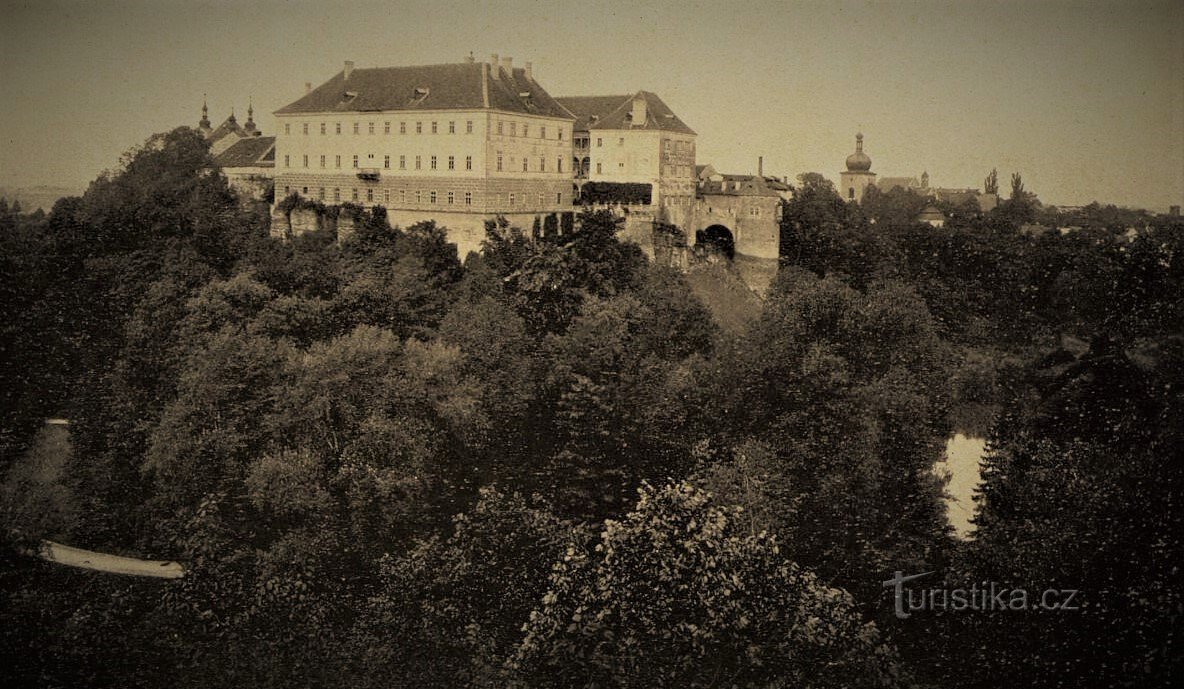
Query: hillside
[{"x": 721, "y": 289}]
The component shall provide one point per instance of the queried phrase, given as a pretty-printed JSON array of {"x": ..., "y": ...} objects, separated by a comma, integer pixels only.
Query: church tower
[
  {"x": 203, "y": 125},
  {"x": 858, "y": 176}
]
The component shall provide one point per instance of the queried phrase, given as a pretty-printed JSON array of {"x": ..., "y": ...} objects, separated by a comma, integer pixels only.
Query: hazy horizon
[{"x": 1084, "y": 99}]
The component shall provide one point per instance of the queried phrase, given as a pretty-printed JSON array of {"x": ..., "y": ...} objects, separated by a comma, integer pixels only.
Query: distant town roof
[
  {"x": 890, "y": 183},
  {"x": 460, "y": 86},
  {"x": 615, "y": 112},
  {"x": 931, "y": 213},
  {"x": 254, "y": 151}
]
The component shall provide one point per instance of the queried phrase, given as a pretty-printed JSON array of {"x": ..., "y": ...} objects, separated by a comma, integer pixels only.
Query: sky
[{"x": 1084, "y": 99}]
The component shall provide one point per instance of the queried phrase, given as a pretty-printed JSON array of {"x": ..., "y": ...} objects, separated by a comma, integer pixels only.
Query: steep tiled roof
[
  {"x": 462, "y": 86},
  {"x": 228, "y": 127},
  {"x": 614, "y": 112},
  {"x": 255, "y": 151}
]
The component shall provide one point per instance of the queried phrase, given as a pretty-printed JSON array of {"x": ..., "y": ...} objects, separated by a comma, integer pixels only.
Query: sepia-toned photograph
[{"x": 650, "y": 344}]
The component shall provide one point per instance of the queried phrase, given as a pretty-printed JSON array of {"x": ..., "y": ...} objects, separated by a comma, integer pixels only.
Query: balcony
[{"x": 370, "y": 174}]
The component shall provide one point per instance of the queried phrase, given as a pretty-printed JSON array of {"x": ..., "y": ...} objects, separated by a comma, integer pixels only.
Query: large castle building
[{"x": 454, "y": 143}]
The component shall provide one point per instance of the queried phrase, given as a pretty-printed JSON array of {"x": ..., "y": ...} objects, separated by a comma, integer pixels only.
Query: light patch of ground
[
  {"x": 963, "y": 454},
  {"x": 723, "y": 291}
]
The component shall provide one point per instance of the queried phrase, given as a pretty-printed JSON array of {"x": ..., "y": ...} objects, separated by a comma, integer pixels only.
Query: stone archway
[{"x": 717, "y": 239}]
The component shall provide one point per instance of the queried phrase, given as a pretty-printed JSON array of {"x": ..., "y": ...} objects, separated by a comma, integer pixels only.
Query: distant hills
[{"x": 39, "y": 196}]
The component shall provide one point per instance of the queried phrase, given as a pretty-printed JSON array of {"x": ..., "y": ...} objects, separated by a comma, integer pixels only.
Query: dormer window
[
  {"x": 419, "y": 94},
  {"x": 350, "y": 95}
]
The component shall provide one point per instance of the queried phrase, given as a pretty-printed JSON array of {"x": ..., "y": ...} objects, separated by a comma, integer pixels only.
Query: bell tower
[{"x": 858, "y": 176}]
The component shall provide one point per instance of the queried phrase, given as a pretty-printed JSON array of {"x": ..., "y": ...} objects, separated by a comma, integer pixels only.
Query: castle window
[
  {"x": 469, "y": 127},
  {"x": 451, "y": 162},
  {"x": 402, "y": 162},
  {"x": 468, "y": 162},
  {"x": 499, "y": 161},
  {"x": 451, "y": 198},
  {"x": 452, "y": 127},
  {"x": 338, "y": 162},
  {"x": 357, "y": 128},
  {"x": 559, "y": 198},
  {"x": 287, "y": 190},
  {"x": 561, "y": 135},
  {"x": 542, "y": 131},
  {"x": 513, "y": 129},
  {"x": 851, "y": 192},
  {"x": 322, "y": 161},
  {"x": 386, "y": 162},
  {"x": 433, "y": 127},
  {"x": 386, "y": 127},
  {"x": 599, "y": 169},
  {"x": 355, "y": 162},
  {"x": 286, "y": 163},
  {"x": 419, "y": 127},
  {"x": 386, "y": 196},
  {"x": 432, "y": 197},
  {"x": 403, "y": 196},
  {"x": 525, "y": 130},
  {"x": 542, "y": 164},
  {"x": 324, "y": 128},
  {"x": 418, "y": 198},
  {"x": 355, "y": 193},
  {"x": 338, "y": 127},
  {"x": 287, "y": 129},
  {"x": 337, "y": 193},
  {"x": 305, "y": 161},
  {"x": 306, "y": 129},
  {"x": 511, "y": 198},
  {"x": 433, "y": 162},
  {"x": 499, "y": 127},
  {"x": 621, "y": 141},
  {"x": 559, "y": 164},
  {"x": 305, "y": 191},
  {"x": 370, "y": 127},
  {"x": 370, "y": 196},
  {"x": 418, "y": 162},
  {"x": 468, "y": 198},
  {"x": 321, "y": 193},
  {"x": 402, "y": 127},
  {"x": 525, "y": 165},
  {"x": 540, "y": 200}
]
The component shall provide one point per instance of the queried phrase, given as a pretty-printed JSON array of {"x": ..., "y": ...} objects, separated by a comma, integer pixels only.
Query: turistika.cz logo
[{"x": 985, "y": 597}]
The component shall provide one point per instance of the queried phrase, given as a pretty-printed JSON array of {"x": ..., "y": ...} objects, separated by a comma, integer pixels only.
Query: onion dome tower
[
  {"x": 250, "y": 127},
  {"x": 858, "y": 175}
]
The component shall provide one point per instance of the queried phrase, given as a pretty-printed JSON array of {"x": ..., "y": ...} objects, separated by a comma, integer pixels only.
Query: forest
[{"x": 550, "y": 465}]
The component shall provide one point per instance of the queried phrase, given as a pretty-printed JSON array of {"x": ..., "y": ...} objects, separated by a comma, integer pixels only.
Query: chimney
[
  {"x": 760, "y": 166},
  {"x": 307, "y": 87},
  {"x": 349, "y": 68},
  {"x": 529, "y": 74},
  {"x": 508, "y": 65},
  {"x": 470, "y": 59},
  {"x": 638, "y": 114},
  {"x": 494, "y": 62}
]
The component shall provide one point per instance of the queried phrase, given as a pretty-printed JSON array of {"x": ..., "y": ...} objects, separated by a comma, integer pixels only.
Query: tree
[
  {"x": 676, "y": 595},
  {"x": 991, "y": 183}
]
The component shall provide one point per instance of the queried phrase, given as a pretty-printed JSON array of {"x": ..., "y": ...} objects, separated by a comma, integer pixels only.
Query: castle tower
[{"x": 858, "y": 176}]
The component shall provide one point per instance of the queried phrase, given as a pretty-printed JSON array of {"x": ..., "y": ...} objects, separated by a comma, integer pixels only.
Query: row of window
[
  {"x": 433, "y": 162},
  {"x": 417, "y": 197},
  {"x": 434, "y": 127}
]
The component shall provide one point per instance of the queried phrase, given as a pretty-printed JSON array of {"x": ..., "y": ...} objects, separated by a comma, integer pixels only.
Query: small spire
[
  {"x": 232, "y": 118},
  {"x": 859, "y": 142},
  {"x": 250, "y": 125},
  {"x": 204, "y": 123}
]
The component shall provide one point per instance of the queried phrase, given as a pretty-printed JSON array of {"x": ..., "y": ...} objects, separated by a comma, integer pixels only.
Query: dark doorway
[{"x": 717, "y": 239}]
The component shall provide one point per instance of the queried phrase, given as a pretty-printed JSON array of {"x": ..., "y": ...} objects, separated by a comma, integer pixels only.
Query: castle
[{"x": 464, "y": 142}]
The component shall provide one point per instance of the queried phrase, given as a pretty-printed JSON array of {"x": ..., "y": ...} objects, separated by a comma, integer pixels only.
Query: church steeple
[
  {"x": 204, "y": 123},
  {"x": 249, "y": 127}
]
